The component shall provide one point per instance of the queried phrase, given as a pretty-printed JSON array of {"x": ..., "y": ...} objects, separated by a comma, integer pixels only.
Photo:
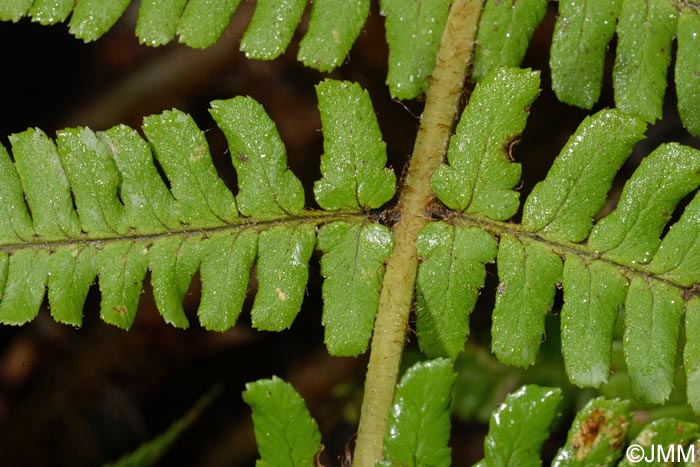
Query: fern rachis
[{"x": 619, "y": 261}]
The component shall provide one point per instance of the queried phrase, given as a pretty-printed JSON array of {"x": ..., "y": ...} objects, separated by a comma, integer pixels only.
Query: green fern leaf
[
  {"x": 15, "y": 223},
  {"x": 25, "y": 284},
  {"x": 286, "y": 434},
  {"x": 562, "y": 206},
  {"x": 528, "y": 273},
  {"x": 352, "y": 265},
  {"x": 225, "y": 278},
  {"x": 330, "y": 35},
  {"x": 72, "y": 269},
  {"x": 687, "y": 72},
  {"x": 581, "y": 36},
  {"x": 128, "y": 222},
  {"x": 266, "y": 187},
  {"x": 157, "y": 21},
  {"x": 92, "y": 18},
  {"x": 480, "y": 176},
  {"x": 14, "y": 10},
  {"x": 173, "y": 262},
  {"x": 645, "y": 31},
  {"x": 505, "y": 30},
  {"x": 203, "y": 21},
  {"x": 50, "y": 11},
  {"x": 449, "y": 278},
  {"x": 149, "y": 206},
  {"x": 597, "y": 435},
  {"x": 271, "y": 28},
  {"x": 691, "y": 353},
  {"x": 419, "y": 423},
  {"x": 122, "y": 267},
  {"x": 676, "y": 258},
  {"x": 413, "y": 31},
  {"x": 593, "y": 296},
  {"x": 202, "y": 199},
  {"x": 354, "y": 159},
  {"x": 519, "y": 426},
  {"x": 37, "y": 160},
  {"x": 282, "y": 271},
  {"x": 630, "y": 234},
  {"x": 94, "y": 180},
  {"x": 652, "y": 326},
  {"x": 663, "y": 432}
]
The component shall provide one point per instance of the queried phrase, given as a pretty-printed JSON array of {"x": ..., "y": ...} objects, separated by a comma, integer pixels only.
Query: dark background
[{"x": 84, "y": 397}]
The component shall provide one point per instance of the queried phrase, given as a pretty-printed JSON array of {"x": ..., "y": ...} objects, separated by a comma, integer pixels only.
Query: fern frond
[
  {"x": 419, "y": 426},
  {"x": 620, "y": 262},
  {"x": 645, "y": 31},
  {"x": 96, "y": 207},
  {"x": 413, "y": 29},
  {"x": 596, "y": 437},
  {"x": 422, "y": 402}
]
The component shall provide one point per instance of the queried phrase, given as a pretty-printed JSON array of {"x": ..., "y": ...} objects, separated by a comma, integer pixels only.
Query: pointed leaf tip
[{"x": 354, "y": 159}]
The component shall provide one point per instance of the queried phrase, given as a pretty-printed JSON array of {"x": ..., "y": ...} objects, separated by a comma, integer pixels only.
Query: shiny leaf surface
[
  {"x": 581, "y": 36},
  {"x": 353, "y": 267},
  {"x": 413, "y": 32},
  {"x": 528, "y": 273},
  {"x": 286, "y": 434},
  {"x": 450, "y": 275},
  {"x": 354, "y": 159},
  {"x": 419, "y": 422},
  {"x": 563, "y": 205},
  {"x": 480, "y": 175},
  {"x": 505, "y": 30},
  {"x": 643, "y": 53}
]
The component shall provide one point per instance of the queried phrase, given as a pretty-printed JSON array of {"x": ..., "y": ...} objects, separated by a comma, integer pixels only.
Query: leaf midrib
[
  {"x": 316, "y": 218},
  {"x": 561, "y": 248}
]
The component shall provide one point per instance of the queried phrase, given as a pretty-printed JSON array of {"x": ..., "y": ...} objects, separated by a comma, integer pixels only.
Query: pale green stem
[{"x": 437, "y": 122}]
